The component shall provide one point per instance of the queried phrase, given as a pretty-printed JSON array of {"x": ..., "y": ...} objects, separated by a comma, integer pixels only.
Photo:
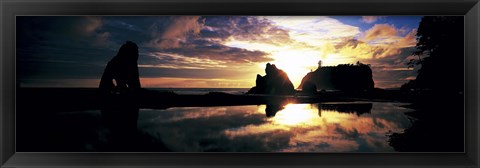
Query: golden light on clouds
[
  {"x": 323, "y": 38},
  {"x": 227, "y": 47},
  {"x": 384, "y": 40},
  {"x": 311, "y": 39},
  {"x": 380, "y": 31},
  {"x": 293, "y": 44}
]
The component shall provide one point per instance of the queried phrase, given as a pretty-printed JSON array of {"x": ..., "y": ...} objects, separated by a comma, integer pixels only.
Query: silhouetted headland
[{"x": 344, "y": 77}]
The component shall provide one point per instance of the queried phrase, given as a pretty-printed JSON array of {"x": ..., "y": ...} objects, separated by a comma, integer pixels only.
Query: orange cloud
[
  {"x": 383, "y": 41},
  {"x": 386, "y": 51},
  {"x": 380, "y": 31},
  {"x": 380, "y": 41},
  {"x": 409, "y": 40}
]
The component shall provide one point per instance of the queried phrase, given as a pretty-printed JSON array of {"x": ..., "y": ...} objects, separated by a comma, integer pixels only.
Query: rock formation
[
  {"x": 309, "y": 87},
  {"x": 275, "y": 81},
  {"x": 344, "y": 77}
]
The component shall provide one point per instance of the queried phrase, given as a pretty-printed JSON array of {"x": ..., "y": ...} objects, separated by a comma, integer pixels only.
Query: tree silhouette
[
  {"x": 440, "y": 41},
  {"x": 439, "y": 124}
]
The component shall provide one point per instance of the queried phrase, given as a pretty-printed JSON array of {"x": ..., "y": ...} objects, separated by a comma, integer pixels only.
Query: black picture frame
[{"x": 9, "y": 9}]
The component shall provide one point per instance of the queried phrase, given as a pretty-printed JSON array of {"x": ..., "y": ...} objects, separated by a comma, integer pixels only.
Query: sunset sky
[{"x": 211, "y": 51}]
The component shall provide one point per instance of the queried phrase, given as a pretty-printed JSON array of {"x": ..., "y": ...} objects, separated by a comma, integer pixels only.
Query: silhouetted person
[
  {"x": 119, "y": 88},
  {"x": 123, "y": 69}
]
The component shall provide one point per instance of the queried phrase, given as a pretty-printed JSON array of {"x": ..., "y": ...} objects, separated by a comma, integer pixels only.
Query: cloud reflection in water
[{"x": 332, "y": 127}]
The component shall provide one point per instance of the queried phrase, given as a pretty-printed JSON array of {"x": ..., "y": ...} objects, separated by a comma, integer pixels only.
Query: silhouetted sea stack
[
  {"x": 275, "y": 81},
  {"x": 344, "y": 77},
  {"x": 309, "y": 87}
]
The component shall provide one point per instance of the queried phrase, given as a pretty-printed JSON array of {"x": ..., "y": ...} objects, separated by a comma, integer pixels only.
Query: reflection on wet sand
[{"x": 328, "y": 127}]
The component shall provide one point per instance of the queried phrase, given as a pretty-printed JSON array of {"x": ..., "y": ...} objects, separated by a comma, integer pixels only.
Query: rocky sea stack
[
  {"x": 275, "y": 81},
  {"x": 344, "y": 77}
]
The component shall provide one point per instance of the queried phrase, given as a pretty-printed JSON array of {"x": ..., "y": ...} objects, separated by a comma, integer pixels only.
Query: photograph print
[{"x": 315, "y": 84}]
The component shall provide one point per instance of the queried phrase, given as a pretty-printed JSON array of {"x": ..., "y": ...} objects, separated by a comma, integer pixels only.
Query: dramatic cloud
[
  {"x": 385, "y": 34},
  {"x": 315, "y": 30},
  {"x": 380, "y": 41},
  {"x": 391, "y": 72},
  {"x": 295, "y": 44},
  {"x": 219, "y": 52},
  {"x": 380, "y": 31},
  {"x": 409, "y": 40},
  {"x": 202, "y": 38},
  {"x": 244, "y": 28},
  {"x": 355, "y": 48},
  {"x": 75, "y": 43},
  {"x": 181, "y": 47}
]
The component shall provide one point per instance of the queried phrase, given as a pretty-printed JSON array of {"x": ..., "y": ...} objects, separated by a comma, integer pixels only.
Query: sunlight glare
[
  {"x": 297, "y": 114},
  {"x": 295, "y": 61}
]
